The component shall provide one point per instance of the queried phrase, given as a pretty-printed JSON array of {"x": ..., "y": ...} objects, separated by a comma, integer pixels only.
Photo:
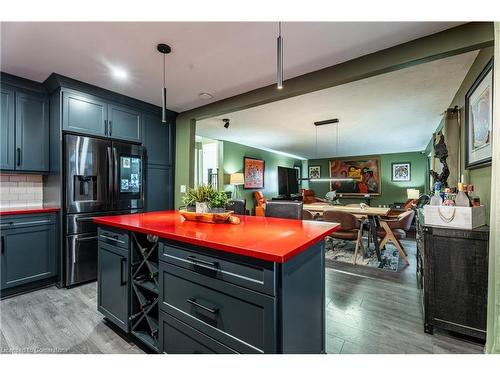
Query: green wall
[
  {"x": 479, "y": 177},
  {"x": 391, "y": 191},
  {"x": 233, "y": 154}
]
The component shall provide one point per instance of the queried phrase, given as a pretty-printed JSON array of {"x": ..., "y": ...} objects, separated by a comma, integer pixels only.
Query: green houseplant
[
  {"x": 218, "y": 202},
  {"x": 205, "y": 199}
]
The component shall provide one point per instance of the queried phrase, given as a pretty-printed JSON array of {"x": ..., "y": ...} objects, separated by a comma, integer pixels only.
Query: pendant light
[
  {"x": 164, "y": 49},
  {"x": 279, "y": 59}
]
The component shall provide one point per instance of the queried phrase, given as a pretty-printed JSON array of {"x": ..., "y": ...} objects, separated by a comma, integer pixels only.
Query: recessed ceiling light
[
  {"x": 205, "y": 96},
  {"x": 119, "y": 73}
]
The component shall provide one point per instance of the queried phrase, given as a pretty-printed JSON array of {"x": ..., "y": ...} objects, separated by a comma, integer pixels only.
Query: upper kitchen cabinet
[
  {"x": 24, "y": 126},
  {"x": 32, "y": 133},
  {"x": 124, "y": 123},
  {"x": 84, "y": 114},
  {"x": 158, "y": 139},
  {"x": 7, "y": 135}
]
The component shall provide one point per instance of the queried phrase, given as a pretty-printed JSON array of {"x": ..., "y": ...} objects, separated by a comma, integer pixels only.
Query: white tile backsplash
[{"x": 21, "y": 190}]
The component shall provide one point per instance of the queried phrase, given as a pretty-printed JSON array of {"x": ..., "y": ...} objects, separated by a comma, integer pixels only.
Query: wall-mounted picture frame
[
  {"x": 253, "y": 172},
  {"x": 356, "y": 176},
  {"x": 479, "y": 120},
  {"x": 314, "y": 172},
  {"x": 401, "y": 172}
]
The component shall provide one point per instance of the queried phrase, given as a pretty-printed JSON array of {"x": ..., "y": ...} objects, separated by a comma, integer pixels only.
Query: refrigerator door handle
[
  {"x": 109, "y": 158},
  {"x": 116, "y": 190}
]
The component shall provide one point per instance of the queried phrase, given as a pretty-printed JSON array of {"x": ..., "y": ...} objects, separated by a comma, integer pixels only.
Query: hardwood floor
[
  {"x": 374, "y": 311},
  {"x": 370, "y": 312}
]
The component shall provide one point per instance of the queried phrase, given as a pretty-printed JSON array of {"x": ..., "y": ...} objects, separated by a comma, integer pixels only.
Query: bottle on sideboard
[
  {"x": 462, "y": 199},
  {"x": 436, "y": 199}
]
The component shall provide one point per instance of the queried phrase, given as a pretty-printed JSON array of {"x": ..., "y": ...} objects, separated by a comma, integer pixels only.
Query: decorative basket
[{"x": 210, "y": 217}]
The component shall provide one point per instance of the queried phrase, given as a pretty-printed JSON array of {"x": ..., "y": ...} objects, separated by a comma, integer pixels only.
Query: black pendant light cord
[{"x": 164, "y": 73}]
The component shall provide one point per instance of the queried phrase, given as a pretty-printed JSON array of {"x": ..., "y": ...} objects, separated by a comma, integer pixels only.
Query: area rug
[{"x": 343, "y": 251}]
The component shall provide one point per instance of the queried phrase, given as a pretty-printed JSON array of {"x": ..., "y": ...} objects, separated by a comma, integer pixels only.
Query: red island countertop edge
[
  {"x": 27, "y": 210},
  {"x": 271, "y": 239}
]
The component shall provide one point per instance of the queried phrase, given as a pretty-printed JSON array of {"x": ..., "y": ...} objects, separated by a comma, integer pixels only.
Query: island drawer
[
  {"x": 179, "y": 338},
  {"x": 113, "y": 237},
  {"x": 237, "y": 317},
  {"x": 29, "y": 220},
  {"x": 250, "y": 273}
]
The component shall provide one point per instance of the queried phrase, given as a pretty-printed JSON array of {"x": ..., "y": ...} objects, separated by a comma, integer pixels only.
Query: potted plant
[
  {"x": 199, "y": 197},
  {"x": 218, "y": 202}
]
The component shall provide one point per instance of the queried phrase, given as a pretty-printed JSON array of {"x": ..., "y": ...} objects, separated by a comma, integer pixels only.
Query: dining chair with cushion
[
  {"x": 238, "y": 206},
  {"x": 395, "y": 229},
  {"x": 260, "y": 203},
  {"x": 351, "y": 228},
  {"x": 284, "y": 209}
]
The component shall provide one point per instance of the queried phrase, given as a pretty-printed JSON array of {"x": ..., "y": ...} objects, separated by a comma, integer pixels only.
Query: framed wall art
[
  {"x": 253, "y": 171},
  {"x": 401, "y": 172},
  {"x": 356, "y": 177},
  {"x": 479, "y": 120}
]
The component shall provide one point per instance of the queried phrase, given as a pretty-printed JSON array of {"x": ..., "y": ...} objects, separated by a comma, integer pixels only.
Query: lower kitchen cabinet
[
  {"x": 29, "y": 250},
  {"x": 113, "y": 279}
]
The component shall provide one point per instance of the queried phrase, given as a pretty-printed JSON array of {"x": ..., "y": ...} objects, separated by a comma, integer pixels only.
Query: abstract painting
[
  {"x": 401, "y": 171},
  {"x": 314, "y": 172},
  {"x": 253, "y": 172},
  {"x": 356, "y": 177}
]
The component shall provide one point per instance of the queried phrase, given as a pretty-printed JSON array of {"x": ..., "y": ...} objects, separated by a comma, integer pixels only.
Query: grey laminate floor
[
  {"x": 58, "y": 321},
  {"x": 376, "y": 312}
]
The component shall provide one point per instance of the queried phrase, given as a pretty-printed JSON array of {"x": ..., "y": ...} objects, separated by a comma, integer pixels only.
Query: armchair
[
  {"x": 308, "y": 196},
  {"x": 260, "y": 203}
]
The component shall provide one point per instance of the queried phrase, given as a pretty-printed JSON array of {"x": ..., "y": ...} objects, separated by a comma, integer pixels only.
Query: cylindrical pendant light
[
  {"x": 279, "y": 59},
  {"x": 164, "y": 49}
]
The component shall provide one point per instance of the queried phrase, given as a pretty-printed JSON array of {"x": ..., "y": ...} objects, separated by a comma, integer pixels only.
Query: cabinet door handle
[
  {"x": 110, "y": 127},
  {"x": 200, "y": 262},
  {"x": 203, "y": 307},
  {"x": 105, "y": 127},
  {"x": 122, "y": 262},
  {"x": 2, "y": 245},
  {"x": 18, "y": 156}
]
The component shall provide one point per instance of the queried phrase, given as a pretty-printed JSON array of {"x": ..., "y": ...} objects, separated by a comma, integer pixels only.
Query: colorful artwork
[
  {"x": 356, "y": 176},
  {"x": 401, "y": 171},
  {"x": 478, "y": 120},
  {"x": 253, "y": 173},
  {"x": 314, "y": 172}
]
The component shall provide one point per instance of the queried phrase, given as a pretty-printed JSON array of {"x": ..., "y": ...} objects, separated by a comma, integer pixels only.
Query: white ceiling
[
  {"x": 392, "y": 112},
  {"x": 224, "y": 59}
]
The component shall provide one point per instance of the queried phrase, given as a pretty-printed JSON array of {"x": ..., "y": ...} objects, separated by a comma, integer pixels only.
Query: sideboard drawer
[
  {"x": 252, "y": 273},
  {"x": 179, "y": 338},
  {"x": 237, "y": 317}
]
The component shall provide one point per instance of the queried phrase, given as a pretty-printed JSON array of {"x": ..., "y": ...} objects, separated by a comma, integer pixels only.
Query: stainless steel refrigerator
[{"x": 102, "y": 177}]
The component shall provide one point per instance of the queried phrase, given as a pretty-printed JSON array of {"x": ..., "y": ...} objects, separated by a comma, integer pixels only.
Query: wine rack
[{"x": 144, "y": 311}]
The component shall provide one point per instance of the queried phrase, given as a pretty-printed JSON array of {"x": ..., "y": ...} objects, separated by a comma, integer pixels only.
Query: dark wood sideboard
[{"x": 455, "y": 279}]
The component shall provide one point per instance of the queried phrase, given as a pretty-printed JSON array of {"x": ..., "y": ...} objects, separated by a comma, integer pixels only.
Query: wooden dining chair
[
  {"x": 307, "y": 215},
  {"x": 395, "y": 229},
  {"x": 351, "y": 228}
]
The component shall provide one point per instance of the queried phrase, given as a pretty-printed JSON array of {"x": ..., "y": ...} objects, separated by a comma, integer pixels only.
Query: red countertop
[
  {"x": 27, "y": 210},
  {"x": 276, "y": 240}
]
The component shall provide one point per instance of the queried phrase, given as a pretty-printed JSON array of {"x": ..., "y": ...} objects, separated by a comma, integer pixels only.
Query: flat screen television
[{"x": 288, "y": 183}]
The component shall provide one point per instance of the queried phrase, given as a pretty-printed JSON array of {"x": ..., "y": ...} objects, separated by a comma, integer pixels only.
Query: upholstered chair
[
  {"x": 237, "y": 205},
  {"x": 260, "y": 203},
  {"x": 284, "y": 209}
]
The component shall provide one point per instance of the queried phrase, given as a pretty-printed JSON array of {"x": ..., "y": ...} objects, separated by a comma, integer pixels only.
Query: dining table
[{"x": 371, "y": 213}]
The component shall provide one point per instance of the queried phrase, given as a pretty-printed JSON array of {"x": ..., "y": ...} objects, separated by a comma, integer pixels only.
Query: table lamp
[
  {"x": 236, "y": 179},
  {"x": 413, "y": 193}
]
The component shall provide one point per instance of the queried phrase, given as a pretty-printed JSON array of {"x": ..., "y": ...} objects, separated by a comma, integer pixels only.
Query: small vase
[{"x": 201, "y": 207}]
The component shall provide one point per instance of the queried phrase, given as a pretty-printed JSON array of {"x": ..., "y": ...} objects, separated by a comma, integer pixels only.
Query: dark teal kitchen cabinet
[
  {"x": 113, "y": 279},
  {"x": 24, "y": 130},
  {"x": 159, "y": 182},
  {"x": 158, "y": 139},
  {"x": 7, "y": 135},
  {"x": 84, "y": 114},
  {"x": 124, "y": 123},
  {"x": 32, "y": 133},
  {"x": 28, "y": 249}
]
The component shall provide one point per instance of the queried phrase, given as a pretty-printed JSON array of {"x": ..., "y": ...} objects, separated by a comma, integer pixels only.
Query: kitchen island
[{"x": 189, "y": 287}]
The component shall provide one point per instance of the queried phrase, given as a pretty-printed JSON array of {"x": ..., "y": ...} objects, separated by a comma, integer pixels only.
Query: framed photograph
[
  {"x": 314, "y": 172},
  {"x": 356, "y": 177},
  {"x": 401, "y": 172},
  {"x": 253, "y": 172},
  {"x": 479, "y": 119}
]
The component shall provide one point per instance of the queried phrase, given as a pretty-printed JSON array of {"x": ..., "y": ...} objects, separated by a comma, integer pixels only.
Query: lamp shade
[
  {"x": 413, "y": 193},
  {"x": 236, "y": 179}
]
